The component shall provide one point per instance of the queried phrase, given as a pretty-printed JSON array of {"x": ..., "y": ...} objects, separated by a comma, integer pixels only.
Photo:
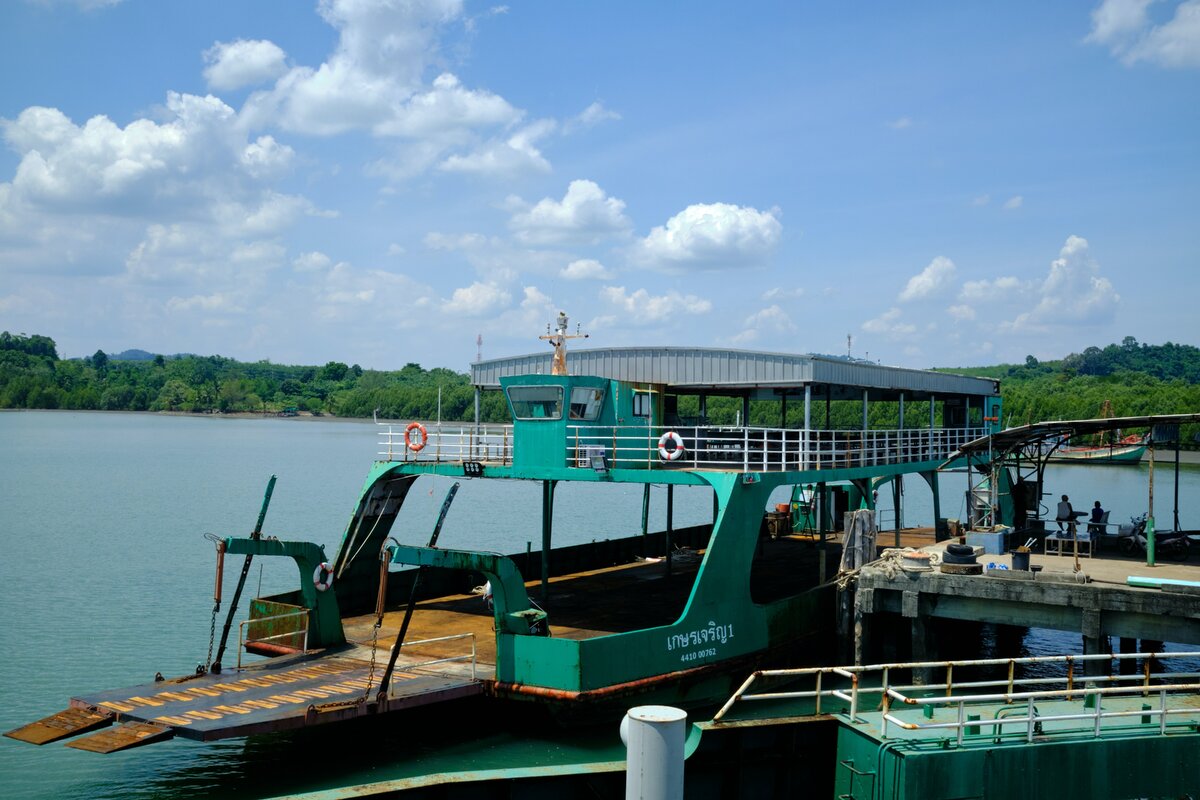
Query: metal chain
[
  {"x": 371, "y": 672},
  {"x": 212, "y": 634}
]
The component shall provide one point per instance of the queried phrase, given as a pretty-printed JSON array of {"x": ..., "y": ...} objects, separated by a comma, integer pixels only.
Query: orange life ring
[
  {"x": 323, "y": 576},
  {"x": 676, "y": 452},
  {"x": 417, "y": 446}
]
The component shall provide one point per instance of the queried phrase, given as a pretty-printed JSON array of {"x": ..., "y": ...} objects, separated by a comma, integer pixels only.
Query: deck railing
[
  {"x": 295, "y": 640},
  {"x": 492, "y": 444},
  {"x": 447, "y": 659},
  {"x": 699, "y": 447},
  {"x": 858, "y": 686}
]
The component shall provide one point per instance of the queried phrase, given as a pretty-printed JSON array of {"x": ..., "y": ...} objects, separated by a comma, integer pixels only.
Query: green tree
[{"x": 334, "y": 371}]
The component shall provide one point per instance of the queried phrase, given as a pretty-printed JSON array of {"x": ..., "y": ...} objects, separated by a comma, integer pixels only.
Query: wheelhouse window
[
  {"x": 586, "y": 402},
  {"x": 641, "y": 404},
  {"x": 536, "y": 402}
]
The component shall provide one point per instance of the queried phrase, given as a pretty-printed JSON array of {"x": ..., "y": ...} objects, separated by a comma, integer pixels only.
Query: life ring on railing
[
  {"x": 323, "y": 576},
  {"x": 676, "y": 451},
  {"x": 418, "y": 445}
]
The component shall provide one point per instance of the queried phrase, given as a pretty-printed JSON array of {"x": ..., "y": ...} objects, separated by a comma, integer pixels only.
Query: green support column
[
  {"x": 670, "y": 524},
  {"x": 820, "y": 500},
  {"x": 931, "y": 478},
  {"x": 547, "y": 531},
  {"x": 896, "y": 491},
  {"x": 646, "y": 519}
]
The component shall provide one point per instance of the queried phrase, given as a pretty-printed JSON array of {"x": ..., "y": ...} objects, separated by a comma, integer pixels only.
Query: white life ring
[
  {"x": 676, "y": 451},
  {"x": 417, "y": 443},
  {"x": 323, "y": 576}
]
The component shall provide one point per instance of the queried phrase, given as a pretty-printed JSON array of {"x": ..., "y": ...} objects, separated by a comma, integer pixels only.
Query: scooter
[{"x": 1170, "y": 544}]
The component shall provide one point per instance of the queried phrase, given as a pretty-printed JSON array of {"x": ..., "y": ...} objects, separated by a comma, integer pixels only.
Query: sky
[{"x": 381, "y": 182}]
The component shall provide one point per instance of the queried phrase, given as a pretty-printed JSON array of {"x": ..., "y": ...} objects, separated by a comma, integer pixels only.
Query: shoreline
[
  {"x": 236, "y": 415},
  {"x": 1162, "y": 457}
]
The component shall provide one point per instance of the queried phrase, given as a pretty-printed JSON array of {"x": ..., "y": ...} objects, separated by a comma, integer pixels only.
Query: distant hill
[{"x": 133, "y": 355}]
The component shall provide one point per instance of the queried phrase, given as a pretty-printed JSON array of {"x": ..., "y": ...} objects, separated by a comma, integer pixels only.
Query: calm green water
[{"x": 108, "y": 579}]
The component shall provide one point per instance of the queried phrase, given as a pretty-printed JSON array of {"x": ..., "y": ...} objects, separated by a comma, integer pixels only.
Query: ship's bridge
[{"x": 705, "y": 409}]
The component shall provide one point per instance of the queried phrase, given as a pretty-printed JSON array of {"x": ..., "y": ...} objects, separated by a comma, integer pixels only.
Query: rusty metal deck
[{"x": 277, "y": 695}]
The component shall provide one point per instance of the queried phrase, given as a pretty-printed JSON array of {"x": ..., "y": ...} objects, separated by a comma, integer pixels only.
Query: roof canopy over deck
[{"x": 762, "y": 375}]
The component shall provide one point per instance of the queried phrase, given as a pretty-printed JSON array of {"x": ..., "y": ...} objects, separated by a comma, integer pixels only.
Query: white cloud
[
  {"x": 311, "y": 262},
  {"x": 535, "y": 299},
  {"x": 589, "y": 117},
  {"x": 1116, "y": 19},
  {"x": 586, "y": 269},
  {"x": 981, "y": 200},
  {"x": 374, "y": 81},
  {"x": 217, "y": 302},
  {"x": 780, "y": 293},
  {"x": 1125, "y": 27},
  {"x": 477, "y": 300},
  {"x": 998, "y": 289},
  {"x": 900, "y": 124},
  {"x": 497, "y": 259},
  {"x": 395, "y": 249},
  {"x": 370, "y": 297},
  {"x": 245, "y": 62},
  {"x": 1014, "y": 202},
  {"x": 933, "y": 279},
  {"x": 95, "y": 189},
  {"x": 643, "y": 308},
  {"x": 586, "y": 215},
  {"x": 772, "y": 319},
  {"x": 1073, "y": 291},
  {"x": 889, "y": 323},
  {"x": 712, "y": 236},
  {"x": 961, "y": 312},
  {"x": 266, "y": 158},
  {"x": 193, "y": 254},
  {"x": 101, "y": 166},
  {"x": 518, "y": 153}
]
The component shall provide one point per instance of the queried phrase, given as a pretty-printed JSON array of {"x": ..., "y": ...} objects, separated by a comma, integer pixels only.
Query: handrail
[
  {"x": 1139, "y": 683},
  {"x": 447, "y": 659},
  {"x": 748, "y": 448},
  {"x": 1032, "y": 717},
  {"x": 303, "y": 613}
]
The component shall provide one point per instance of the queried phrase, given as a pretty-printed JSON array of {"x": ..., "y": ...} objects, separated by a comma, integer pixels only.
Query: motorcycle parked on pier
[{"x": 1174, "y": 545}]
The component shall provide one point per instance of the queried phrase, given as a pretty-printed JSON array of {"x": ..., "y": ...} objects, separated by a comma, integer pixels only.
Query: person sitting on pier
[
  {"x": 1065, "y": 514},
  {"x": 1099, "y": 519}
]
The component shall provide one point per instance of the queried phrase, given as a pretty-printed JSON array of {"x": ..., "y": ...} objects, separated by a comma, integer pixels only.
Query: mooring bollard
[{"x": 653, "y": 738}]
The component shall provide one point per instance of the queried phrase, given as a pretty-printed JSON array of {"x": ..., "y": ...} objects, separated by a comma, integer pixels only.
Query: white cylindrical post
[{"x": 653, "y": 738}]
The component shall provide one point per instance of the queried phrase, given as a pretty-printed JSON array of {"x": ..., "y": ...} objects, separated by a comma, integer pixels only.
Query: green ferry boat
[
  {"x": 738, "y": 610},
  {"x": 674, "y": 615}
]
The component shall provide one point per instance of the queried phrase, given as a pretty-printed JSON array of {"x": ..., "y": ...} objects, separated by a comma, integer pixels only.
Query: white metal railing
[
  {"x": 491, "y": 444},
  {"x": 761, "y": 449},
  {"x": 448, "y": 659},
  {"x": 302, "y": 631},
  {"x": 1009, "y": 690},
  {"x": 703, "y": 447}
]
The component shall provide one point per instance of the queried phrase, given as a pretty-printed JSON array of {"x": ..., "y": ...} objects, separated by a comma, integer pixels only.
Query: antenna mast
[
  {"x": 558, "y": 340},
  {"x": 479, "y": 348}
]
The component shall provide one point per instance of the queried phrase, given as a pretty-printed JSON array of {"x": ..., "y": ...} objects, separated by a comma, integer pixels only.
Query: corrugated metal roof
[
  {"x": 1013, "y": 439},
  {"x": 699, "y": 368}
]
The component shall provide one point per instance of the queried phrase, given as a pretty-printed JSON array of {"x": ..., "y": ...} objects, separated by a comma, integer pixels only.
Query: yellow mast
[{"x": 558, "y": 340}]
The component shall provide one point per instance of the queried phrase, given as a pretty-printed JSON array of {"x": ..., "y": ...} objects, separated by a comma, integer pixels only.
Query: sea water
[{"x": 107, "y": 578}]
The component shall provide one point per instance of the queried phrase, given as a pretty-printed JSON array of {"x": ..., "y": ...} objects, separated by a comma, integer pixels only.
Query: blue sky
[{"x": 380, "y": 182}]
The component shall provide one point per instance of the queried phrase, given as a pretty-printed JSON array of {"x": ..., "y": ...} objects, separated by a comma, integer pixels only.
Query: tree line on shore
[{"x": 1134, "y": 379}]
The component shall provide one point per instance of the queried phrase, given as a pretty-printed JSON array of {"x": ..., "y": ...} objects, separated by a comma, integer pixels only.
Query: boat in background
[{"x": 1128, "y": 450}]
